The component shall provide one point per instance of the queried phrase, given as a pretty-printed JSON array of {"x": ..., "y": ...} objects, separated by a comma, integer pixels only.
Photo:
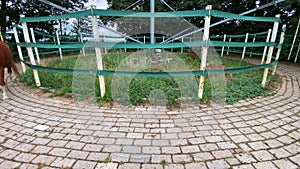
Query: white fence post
[
  {"x": 98, "y": 52},
  {"x": 189, "y": 47},
  {"x": 181, "y": 47},
  {"x": 204, "y": 51},
  {"x": 244, "y": 50},
  {"x": 280, "y": 47},
  {"x": 18, "y": 47},
  {"x": 297, "y": 53},
  {"x": 227, "y": 53},
  {"x": 105, "y": 49},
  {"x": 270, "y": 52},
  {"x": 35, "y": 48},
  {"x": 224, "y": 40},
  {"x": 30, "y": 53},
  {"x": 254, "y": 36},
  {"x": 58, "y": 43},
  {"x": 83, "y": 50},
  {"x": 1, "y": 37},
  {"x": 81, "y": 40},
  {"x": 295, "y": 37},
  {"x": 266, "y": 47}
]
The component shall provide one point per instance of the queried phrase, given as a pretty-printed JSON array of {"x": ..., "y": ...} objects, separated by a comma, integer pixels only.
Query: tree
[
  {"x": 3, "y": 16},
  {"x": 288, "y": 10},
  {"x": 11, "y": 13},
  {"x": 81, "y": 26}
]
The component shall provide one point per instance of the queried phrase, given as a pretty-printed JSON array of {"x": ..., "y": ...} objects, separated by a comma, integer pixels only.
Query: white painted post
[
  {"x": 295, "y": 37},
  {"x": 105, "y": 49},
  {"x": 244, "y": 50},
  {"x": 152, "y": 22},
  {"x": 270, "y": 52},
  {"x": 35, "y": 48},
  {"x": 279, "y": 49},
  {"x": 81, "y": 40},
  {"x": 297, "y": 53},
  {"x": 181, "y": 47},
  {"x": 227, "y": 53},
  {"x": 98, "y": 52},
  {"x": 252, "y": 47},
  {"x": 266, "y": 47},
  {"x": 204, "y": 51},
  {"x": 1, "y": 37},
  {"x": 190, "y": 41},
  {"x": 30, "y": 53},
  {"x": 125, "y": 50},
  {"x": 58, "y": 43},
  {"x": 224, "y": 40},
  {"x": 144, "y": 39},
  {"x": 18, "y": 47}
]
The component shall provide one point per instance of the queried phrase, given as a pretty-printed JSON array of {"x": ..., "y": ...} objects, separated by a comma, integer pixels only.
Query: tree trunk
[{"x": 3, "y": 17}]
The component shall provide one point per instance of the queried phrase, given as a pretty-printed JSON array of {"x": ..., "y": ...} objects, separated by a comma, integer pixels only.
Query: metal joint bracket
[
  {"x": 279, "y": 46},
  {"x": 92, "y": 9},
  {"x": 206, "y": 43},
  {"x": 209, "y": 12}
]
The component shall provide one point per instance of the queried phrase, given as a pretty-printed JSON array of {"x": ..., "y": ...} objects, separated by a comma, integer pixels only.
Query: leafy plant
[
  {"x": 160, "y": 91},
  {"x": 4, "y": 141},
  {"x": 41, "y": 165},
  {"x": 163, "y": 162},
  {"x": 107, "y": 160}
]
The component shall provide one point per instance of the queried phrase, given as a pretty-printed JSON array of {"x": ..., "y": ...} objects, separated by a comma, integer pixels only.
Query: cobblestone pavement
[{"x": 48, "y": 133}]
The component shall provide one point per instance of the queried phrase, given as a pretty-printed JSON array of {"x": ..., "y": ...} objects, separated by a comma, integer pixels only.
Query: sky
[{"x": 100, "y": 4}]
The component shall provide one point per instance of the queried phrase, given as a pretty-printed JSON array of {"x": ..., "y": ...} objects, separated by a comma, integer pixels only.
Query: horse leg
[
  {"x": 2, "y": 83},
  {"x": 4, "y": 92},
  {"x": 10, "y": 77},
  {"x": 15, "y": 70},
  {"x": 10, "y": 72}
]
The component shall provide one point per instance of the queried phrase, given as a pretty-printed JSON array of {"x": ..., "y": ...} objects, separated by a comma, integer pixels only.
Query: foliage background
[{"x": 289, "y": 10}]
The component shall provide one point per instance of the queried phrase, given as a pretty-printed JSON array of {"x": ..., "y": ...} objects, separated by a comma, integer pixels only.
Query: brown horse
[{"x": 6, "y": 61}]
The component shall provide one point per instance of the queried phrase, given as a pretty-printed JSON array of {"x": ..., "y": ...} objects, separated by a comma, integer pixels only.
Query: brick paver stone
[
  {"x": 9, "y": 164},
  {"x": 217, "y": 164},
  {"x": 84, "y": 164},
  {"x": 63, "y": 162},
  {"x": 52, "y": 133},
  {"x": 107, "y": 166},
  {"x": 285, "y": 164},
  {"x": 264, "y": 165},
  {"x": 25, "y": 157}
]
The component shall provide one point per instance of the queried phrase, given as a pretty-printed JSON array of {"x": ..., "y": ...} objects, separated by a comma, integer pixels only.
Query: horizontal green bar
[
  {"x": 152, "y": 74},
  {"x": 188, "y": 13},
  {"x": 133, "y": 45},
  {"x": 57, "y": 17},
  {"x": 228, "y": 15}
]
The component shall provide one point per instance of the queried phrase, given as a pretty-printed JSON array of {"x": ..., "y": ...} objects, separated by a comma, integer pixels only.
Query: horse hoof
[{"x": 5, "y": 98}]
